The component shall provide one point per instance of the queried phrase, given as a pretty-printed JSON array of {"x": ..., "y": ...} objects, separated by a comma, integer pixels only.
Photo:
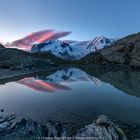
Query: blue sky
[{"x": 85, "y": 18}]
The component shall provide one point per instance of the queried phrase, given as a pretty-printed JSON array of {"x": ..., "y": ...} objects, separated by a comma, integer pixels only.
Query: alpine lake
[{"x": 76, "y": 97}]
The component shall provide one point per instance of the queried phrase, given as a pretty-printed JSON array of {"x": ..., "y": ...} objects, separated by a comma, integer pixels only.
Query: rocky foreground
[{"x": 101, "y": 128}]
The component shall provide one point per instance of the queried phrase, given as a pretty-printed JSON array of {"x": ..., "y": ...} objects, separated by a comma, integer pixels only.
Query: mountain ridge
[
  {"x": 73, "y": 51},
  {"x": 123, "y": 52}
]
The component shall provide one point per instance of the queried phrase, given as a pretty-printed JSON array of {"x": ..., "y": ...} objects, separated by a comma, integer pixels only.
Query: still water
[{"x": 75, "y": 96}]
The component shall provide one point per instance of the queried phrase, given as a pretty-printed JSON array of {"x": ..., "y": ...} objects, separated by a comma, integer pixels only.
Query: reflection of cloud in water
[
  {"x": 55, "y": 81},
  {"x": 41, "y": 85}
]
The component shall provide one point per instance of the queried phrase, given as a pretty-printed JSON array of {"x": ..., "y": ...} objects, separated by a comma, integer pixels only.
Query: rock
[
  {"x": 2, "y": 110},
  {"x": 8, "y": 117},
  {"x": 101, "y": 120},
  {"x": 4, "y": 125},
  {"x": 6, "y": 121},
  {"x": 101, "y": 128},
  {"x": 28, "y": 126},
  {"x": 1, "y": 46}
]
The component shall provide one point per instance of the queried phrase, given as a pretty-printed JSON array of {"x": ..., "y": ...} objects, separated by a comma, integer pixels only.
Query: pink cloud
[{"x": 40, "y": 36}]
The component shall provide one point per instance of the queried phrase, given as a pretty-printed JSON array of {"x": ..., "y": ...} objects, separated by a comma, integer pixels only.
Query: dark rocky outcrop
[
  {"x": 101, "y": 128},
  {"x": 15, "y": 59},
  {"x": 1, "y": 46},
  {"x": 18, "y": 59}
]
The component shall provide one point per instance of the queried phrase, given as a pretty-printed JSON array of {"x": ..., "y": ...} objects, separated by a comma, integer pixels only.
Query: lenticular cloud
[{"x": 40, "y": 36}]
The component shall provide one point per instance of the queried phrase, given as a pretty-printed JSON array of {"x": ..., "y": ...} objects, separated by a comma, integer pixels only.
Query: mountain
[
  {"x": 61, "y": 49},
  {"x": 55, "y": 47},
  {"x": 1, "y": 46},
  {"x": 15, "y": 59},
  {"x": 99, "y": 42},
  {"x": 84, "y": 47},
  {"x": 72, "y": 51},
  {"x": 125, "y": 51}
]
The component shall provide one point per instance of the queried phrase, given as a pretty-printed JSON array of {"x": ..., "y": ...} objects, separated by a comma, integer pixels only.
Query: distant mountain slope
[
  {"x": 96, "y": 43},
  {"x": 125, "y": 51},
  {"x": 18, "y": 59},
  {"x": 99, "y": 42},
  {"x": 55, "y": 47}
]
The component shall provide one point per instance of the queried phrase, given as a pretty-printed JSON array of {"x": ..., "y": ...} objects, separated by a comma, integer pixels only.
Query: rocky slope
[
  {"x": 18, "y": 59},
  {"x": 1, "y": 46},
  {"x": 125, "y": 51}
]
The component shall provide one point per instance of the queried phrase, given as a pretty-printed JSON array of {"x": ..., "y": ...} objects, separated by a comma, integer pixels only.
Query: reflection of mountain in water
[
  {"x": 123, "y": 79},
  {"x": 69, "y": 75},
  {"x": 55, "y": 81},
  {"x": 40, "y": 85}
]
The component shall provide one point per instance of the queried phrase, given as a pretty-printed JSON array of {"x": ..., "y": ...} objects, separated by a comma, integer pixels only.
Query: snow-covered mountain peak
[
  {"x": 56, "y": 47},
  {"x": 73, "y": 51},
  {"x": 56, "y": 44},
  {"x": 99, "y": 42}
]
